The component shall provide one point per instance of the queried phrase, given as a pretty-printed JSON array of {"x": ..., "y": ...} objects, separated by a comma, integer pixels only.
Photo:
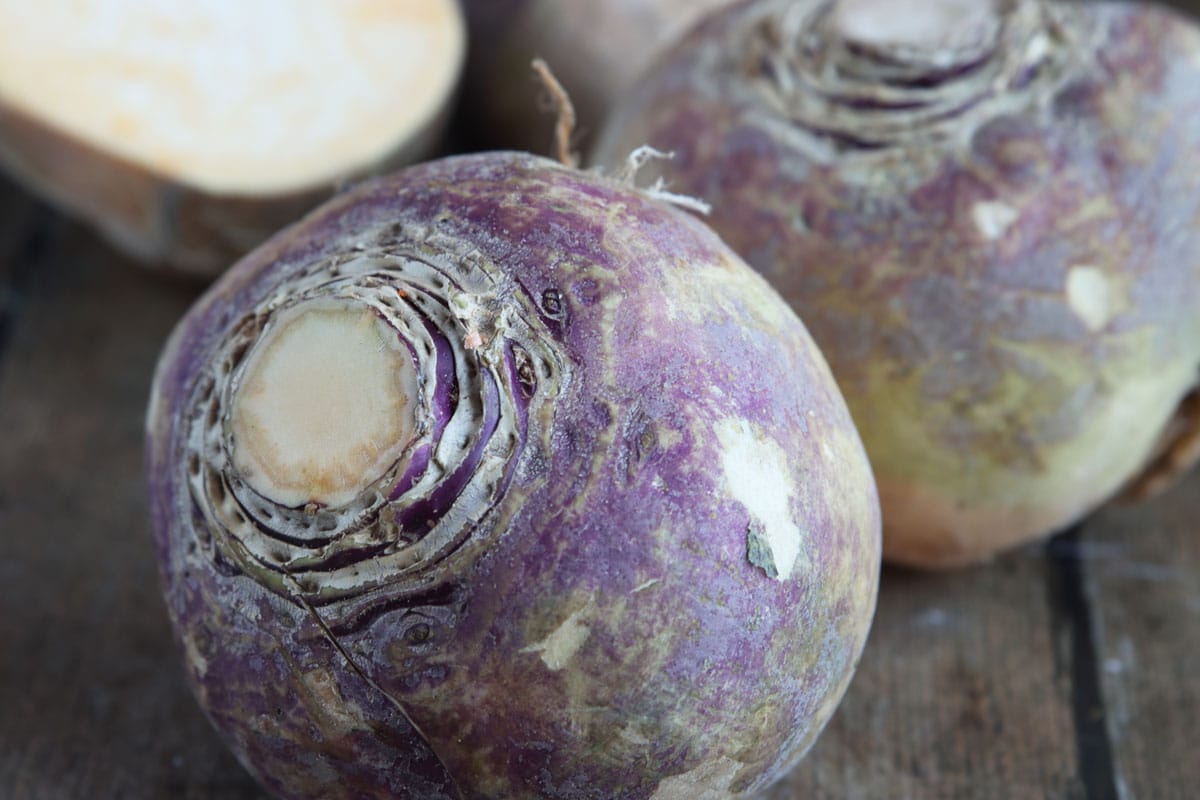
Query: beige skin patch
[
  {"x": 325, "y": 405},
  {"x": 564, "y": 642},
  {"x": 709, "y": 781},
  {"x": 756, "y": 475},
  {"x": 337, "y": 716},
  {"x": 1091, "y": 296},
  {"x": 993, "y": 219}
]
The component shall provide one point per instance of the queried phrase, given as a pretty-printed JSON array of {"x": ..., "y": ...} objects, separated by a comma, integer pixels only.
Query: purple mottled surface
[
  {"x": 1012, "y": 306},
  {"x": 605, "y": 631}
]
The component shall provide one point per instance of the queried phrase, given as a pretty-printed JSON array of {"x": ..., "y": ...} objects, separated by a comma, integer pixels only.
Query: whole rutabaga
[
  {"x": 496, "y": 479},
  {"x": 988, "y": 215}
]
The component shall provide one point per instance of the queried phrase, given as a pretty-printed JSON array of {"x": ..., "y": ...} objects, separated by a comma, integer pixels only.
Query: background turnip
[
  {"x": 188, "y": 133},
  {"x": 497, "y": 479},
  {"x": 987, "y": 213}
]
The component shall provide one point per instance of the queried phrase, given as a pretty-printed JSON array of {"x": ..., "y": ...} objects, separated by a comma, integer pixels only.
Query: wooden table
[{"x": 1069, "y": 670}]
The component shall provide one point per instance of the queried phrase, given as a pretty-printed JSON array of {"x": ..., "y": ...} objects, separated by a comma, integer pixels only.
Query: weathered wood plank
[
  {"x": 1141, "y": 567},
  {"x": 959, "y": 695},
  {"x": 1076, "y": 648},
  {"x": 92, "y": 698},
  {"x": 24, "y": 228}
]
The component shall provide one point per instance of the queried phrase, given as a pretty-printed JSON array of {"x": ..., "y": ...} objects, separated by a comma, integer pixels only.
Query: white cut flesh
[
  {"x": 232, "y": 98},
  {"x": 240, "y": 97},
  {"x": 326, "y": 404}
]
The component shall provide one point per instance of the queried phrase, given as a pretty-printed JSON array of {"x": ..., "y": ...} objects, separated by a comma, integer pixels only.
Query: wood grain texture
[
  {"x": 1143, "y": 587},
  {"x": 990, "y": 683},
  {"x": 960, "y": 693},
  {"x": 92, "y": 699}
]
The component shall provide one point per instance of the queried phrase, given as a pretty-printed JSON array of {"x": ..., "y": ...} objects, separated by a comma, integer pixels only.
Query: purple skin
[
  {"x": 996, "y": 249},
  {"x": 672, "y": 564}
]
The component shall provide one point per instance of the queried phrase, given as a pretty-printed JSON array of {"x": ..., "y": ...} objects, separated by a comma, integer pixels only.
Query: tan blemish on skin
[
  {"x": 993, "y": 219},
  {"x": 195, "y": 657},
  {"x": 564, "y": 642},
  {"x": 709, "y": 781},
  {"x": 756, "y": 475},
  {"x": 1090, "y": 296},
  {"x": 1091, "y": 210},
  {"x": 633, "y": 737},
  {"x": 668, "y": 438},
  {"x": 329, "y": 706}
]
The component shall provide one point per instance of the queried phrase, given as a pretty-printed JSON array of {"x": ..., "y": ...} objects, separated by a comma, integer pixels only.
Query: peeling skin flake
[
  {"x": 644, "y": 585},
  {"x": 758, "y": 551}
]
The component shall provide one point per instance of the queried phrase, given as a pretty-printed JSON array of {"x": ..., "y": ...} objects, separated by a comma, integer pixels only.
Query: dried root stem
[
  {"x": 644, "y": 155},
  {"x": 560, "y": 103}
]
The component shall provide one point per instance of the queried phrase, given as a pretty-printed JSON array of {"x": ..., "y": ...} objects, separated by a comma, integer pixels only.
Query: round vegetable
[
  {"x": 988, "y": 214},
  {"x": 189, "y": 132},
  {"x": 494, "y": 478},
  {"x": 596, "y": 49}
]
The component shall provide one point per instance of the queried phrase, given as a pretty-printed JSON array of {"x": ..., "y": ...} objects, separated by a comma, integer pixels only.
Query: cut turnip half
[{"x": 188, "y": 132}]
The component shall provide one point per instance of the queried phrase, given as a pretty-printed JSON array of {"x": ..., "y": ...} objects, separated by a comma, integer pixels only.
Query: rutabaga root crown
[
  {"x": 327, "y": 402},
  {"x": 853, "y": 79},
  {"x": 986, "y": 213},
  {"x": 363, "y": 378},
  {"x": 497, "y": 479}
]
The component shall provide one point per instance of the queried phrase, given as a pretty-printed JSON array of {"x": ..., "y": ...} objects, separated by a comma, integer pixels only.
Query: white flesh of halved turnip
[{"x": 125, "y": 110}]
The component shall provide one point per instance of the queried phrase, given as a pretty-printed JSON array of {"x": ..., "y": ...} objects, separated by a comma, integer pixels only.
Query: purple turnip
[
  {"x": 189, "y": 132},
  {"x": 988, "y": 215},
  {"x": 497, "y": 479}
]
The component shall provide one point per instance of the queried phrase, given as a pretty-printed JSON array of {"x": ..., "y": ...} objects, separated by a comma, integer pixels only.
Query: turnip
[
  {"x": 988, "y": 215},
  {"x": 189, "y": 132},
  {"x": 597, "y": 49},
  {"x": 497, "y": 479}
]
